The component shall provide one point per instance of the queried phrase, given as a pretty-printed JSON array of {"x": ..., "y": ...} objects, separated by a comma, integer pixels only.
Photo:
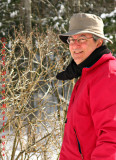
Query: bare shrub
[{"x": 36, "y": 101}]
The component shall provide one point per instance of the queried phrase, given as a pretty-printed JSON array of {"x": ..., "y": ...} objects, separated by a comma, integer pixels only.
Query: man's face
[{"x": 81, "y": 49}]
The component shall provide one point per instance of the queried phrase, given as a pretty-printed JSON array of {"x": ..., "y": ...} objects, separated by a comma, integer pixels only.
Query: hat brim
[{"x": 65, "y": 36}]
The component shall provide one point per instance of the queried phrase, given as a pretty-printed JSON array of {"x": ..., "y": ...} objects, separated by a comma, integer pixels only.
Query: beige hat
[{"x": 85, "y": 23}]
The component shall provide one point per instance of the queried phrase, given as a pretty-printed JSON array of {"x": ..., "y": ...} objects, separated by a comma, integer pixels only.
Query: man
[{"x": 90, "y": 129}]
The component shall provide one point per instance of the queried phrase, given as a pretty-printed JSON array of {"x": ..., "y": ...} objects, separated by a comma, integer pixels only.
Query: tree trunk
[
  {"x": 27, "y": 18},
  {"x": 22, "y": 12},
  {"x": 76, "y": 6}
]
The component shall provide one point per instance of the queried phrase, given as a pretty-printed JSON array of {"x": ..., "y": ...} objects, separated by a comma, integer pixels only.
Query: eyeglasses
[{"x": 79, "y": 40}]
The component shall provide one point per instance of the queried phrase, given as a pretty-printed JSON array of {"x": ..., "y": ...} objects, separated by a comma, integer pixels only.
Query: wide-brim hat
[{"x": 85, "y": 23}]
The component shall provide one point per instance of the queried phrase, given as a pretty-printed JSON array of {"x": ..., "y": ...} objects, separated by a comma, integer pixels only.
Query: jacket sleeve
[{"x": 103, "y": 111}]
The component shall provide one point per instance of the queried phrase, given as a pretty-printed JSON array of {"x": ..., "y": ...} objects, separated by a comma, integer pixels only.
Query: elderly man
[{"x": 90, "y": 128}]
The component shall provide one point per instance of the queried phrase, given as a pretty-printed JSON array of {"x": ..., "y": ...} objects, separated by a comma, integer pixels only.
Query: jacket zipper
[{"x": 79, "y": 145}]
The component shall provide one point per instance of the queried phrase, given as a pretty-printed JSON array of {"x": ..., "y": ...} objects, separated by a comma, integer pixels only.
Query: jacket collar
[{"x": 103, "y": 59}]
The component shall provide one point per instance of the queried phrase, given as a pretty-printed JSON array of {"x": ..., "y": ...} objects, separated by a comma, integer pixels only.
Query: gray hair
[{"x": 95, "y": 38}]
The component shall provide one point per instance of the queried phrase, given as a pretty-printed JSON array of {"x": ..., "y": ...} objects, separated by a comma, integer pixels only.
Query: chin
[{"x": 77, "y": 62}]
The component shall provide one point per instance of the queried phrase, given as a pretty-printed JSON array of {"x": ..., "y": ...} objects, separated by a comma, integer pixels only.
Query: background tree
[
  {"x": 76, "y": 6},
  {"x": 49, "y": 13}
]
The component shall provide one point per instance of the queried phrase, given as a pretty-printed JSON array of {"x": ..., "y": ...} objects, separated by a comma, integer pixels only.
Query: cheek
[
  {"x": 89, "y": 48},
  {"x": 76, "y": 47},
  {"x": 71, "y": 49},
  {"x": 92, "y": 48}
]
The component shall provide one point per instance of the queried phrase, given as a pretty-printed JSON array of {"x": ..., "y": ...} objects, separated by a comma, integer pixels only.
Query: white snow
[
  {"x": 9, "y": 44},
  {"x": 61, "y": 8},
  {"x": 0, "y": 24},
  {"x": 8, "y": 1},
  {"x": 104, "y": 15},
  {"x": 13, "y": 14}
]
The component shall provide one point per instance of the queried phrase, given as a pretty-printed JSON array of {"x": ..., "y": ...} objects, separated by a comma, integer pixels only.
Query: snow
[
  {"x": 32, "y": 156},
  {"x": 8, "y": 1},
  {"x": 55, "y": 18},
  {"x": 9, "y": 44},
  {"x": 13, "y": 14},
  {"x": 56, "y": 25},
  {"x": 62, "y": 8},
  {"x": 3, "y": 33},
  {"x": 113, "y": 13},
  {"x": 0, "y": 24},
  {"x": 53, "y": 148}
]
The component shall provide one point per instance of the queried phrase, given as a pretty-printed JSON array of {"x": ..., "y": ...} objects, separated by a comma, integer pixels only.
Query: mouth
[{"x": 77, "y": 52}]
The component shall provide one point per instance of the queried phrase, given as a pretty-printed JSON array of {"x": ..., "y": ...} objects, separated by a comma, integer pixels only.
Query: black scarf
[{"x": 74, "y": 71}]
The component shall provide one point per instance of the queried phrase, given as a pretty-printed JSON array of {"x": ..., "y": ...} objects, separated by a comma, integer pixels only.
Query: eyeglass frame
[{"x": 78, "y": 39}]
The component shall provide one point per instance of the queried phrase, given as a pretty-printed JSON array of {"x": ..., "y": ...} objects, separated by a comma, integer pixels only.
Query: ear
[{"x": 99, "y": 42}]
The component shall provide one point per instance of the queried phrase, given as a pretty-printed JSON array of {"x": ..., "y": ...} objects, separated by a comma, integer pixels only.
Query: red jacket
[{"x": 91, "y": 116}]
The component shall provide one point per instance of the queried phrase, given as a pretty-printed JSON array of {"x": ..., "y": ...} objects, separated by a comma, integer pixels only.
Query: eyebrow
[
  {"x": 83, "y": 35},
  {"x": 78, "y": 37}
]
